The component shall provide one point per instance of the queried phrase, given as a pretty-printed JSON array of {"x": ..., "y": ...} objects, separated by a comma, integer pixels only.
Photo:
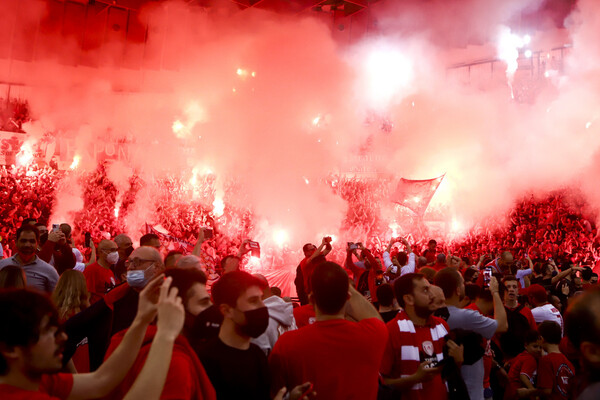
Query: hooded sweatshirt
[
  {"x": 186, "y": 378},
  {"x": 281, "y": 319}
]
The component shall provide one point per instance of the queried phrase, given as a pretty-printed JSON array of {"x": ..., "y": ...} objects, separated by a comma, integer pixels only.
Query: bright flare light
[
  {"x": 394, "y": 227},
  {"x": 508, "y": 51},
  {"x": 117, "y": 208},
  {"x": 280, "y": 237},
  {"x": 25, "y": 154},
  {"x": 528, "y": 53},
  {"x": 587, "y": 126},
  {"x": 315, "y": 121},
  {"x": 388, "y": 73},
  {"x": 218, "y": 207},
  {"x": 416, "y": 199},
  {"x": 75, "y": 162}
]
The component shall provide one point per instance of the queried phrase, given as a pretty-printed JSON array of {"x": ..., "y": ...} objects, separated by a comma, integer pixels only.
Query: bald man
[{"x": 98, "y": 276}]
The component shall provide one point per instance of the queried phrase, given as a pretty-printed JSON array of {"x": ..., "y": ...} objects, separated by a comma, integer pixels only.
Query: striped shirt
[{"x": 408, "y": 346}]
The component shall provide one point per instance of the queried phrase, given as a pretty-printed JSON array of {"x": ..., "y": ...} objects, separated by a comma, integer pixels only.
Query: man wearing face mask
[
  {"x": 237, "y": 368},
  {"x": 39, "y": 273},
  {"x": 98, "y": 276}
]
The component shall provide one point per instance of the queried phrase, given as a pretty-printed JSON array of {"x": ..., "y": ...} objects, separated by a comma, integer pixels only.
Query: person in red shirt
[
  {"x": 523, "y": 370},
  {"x": 416, "y": 342},
  {"x": 341, "y": 358},
  {"x": 98, "y": 276},
  {"x": 431, "y": 252},
  {"x": 555, "y": 371},
  {"x": 186, "y": 377},
  {"x": 31, "y": 343},
  {"x": 304, "y": 315}
]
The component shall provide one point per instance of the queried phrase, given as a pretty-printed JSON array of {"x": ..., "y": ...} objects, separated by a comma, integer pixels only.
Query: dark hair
[
  {"x": 594, "y": 275},
  {"x": 224, "y": 260},
  {"x": 550, "y": 331},
  {"x": 171, "y": 254},
  {"x": 402, "y": 258},
  {"x": 472, "y": 291},
  {"x": 11, "y": 276},
  {"x": 306, "y": 246},
  {"x": 485, "y": 295},
  {"x": 385, "y": 295},
  {"x": 469, "y": 274},
  {"x": 276, "y": 291},
  {"x": 432, "y": 241},
  {"x": 184, "y": 279},
  {"x": 26, "y": 221},
  {"x": 586, "y": 274},
  {"x": 531, "y": 336},
  {"x": 29, "y": 228},
  {"x": 330, "y": 287},
  {"x": 40, "y": 224},
  {"x": 66, "y": 229},
  {"x": 582, "y": 323},
  {"x": 230, "y": 287},
  {"x": 405, "y": 285},
  {"x": 147, "y": 238},
  {"x": 449, "y": 280},
  {"x": 428, "y": 273},
  {"x": 21, "y": 313}
]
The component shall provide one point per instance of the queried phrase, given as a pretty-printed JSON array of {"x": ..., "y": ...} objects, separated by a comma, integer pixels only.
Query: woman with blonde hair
[{"x": 70, "y": 295}]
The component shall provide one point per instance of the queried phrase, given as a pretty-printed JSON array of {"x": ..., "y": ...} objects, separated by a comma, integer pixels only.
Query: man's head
[
  {"x": 471, "y": 274},
  {"x": 238, "y": 295},
  {"x": 43, "y": 230},
  {"x": 188, "y": 262},
  {"x": 537, "y": 295},
  {"x": 173, "y": 257},
  {"x": 308, "y": 249},
  {"x": 550, "y": 332},
  {"x": 191, "y": 286},
  {"x": 150, "y": 240},
  {"x": 385, "y": 295},
  {"x": 66, "y": 230},
  {"x": 107, "y": 252},
  {"x": 230, "y": 264},
  {"x": 28, "y": 221},
  {"x": 30, "y": 339},
  {"x": 401, "y": 258},
  {"x": 505, "y": 261},
  {"x": 594, "y": 278},
  {"x": 125, "y": 245},
  {"x": 511, "y": 288},
  {"x": 413, "y": 294},
  {"x": 147, "y": 261},
  {"x": 439, "y": 300},
  {"x": 432, "y": 245},
  {"x": 451, "y": 282},
  {"x": 586, "y": 274},
  {"x": 27, "y": 241},
  {"x": 329, "y": 288},
  {"x": 582, "y": 327}
]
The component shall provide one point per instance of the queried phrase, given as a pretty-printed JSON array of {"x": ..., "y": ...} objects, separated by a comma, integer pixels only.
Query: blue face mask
[{"x": 137, "y": 278}]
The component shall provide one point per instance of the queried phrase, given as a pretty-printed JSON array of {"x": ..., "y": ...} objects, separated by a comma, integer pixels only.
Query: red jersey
[
  {"x": 99, "y": 280},
  {"x": 555, "y": 372},
  {"x": 523, "y": 364},
  {"x": 341, "y": 358},
  {"x": 408, "y": 346},
  {"x": 52, "y": 387},
  {"x": 304, "y": 315},
  {"x": 186, "y": 378}
]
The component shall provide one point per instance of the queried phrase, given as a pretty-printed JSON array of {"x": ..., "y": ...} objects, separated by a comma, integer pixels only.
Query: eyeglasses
[{"x": 136, "y": 262}]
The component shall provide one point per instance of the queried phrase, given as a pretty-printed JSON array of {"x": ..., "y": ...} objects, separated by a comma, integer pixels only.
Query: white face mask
[{"x": 113, "y": 257}]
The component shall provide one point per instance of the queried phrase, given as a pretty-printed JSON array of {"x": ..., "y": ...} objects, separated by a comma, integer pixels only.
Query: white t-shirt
[{"x": 547, "y": 312}]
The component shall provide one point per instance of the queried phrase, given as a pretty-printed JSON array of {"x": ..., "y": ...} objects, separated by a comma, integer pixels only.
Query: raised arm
[
  {"x": 171, "y": 314},
  {"x": 499, "y": 310},
  {"x": 101, "y": 382}
]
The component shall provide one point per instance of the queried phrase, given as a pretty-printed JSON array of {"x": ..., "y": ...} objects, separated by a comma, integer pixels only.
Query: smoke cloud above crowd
[{"x": 276, "y": 102}]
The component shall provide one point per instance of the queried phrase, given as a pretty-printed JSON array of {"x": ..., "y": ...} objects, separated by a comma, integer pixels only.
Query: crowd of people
[
  {"x": 13, "y": 114},
  {"x": 509, "y": 309}
]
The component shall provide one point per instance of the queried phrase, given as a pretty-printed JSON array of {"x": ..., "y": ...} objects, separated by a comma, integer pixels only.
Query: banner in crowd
[{"x": 416, "y": 194}]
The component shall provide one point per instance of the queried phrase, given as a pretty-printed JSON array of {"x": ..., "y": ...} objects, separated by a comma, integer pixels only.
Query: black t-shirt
[
  {"x": 236, "y": 374},
  {"x": 387, "y": 316}
]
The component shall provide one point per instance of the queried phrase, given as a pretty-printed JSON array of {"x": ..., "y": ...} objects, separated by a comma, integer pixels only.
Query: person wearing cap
[{"x": 542, "y": 310}]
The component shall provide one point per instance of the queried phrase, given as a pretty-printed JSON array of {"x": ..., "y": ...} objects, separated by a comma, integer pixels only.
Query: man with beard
[
  {"x": 40, "y": 274},
  {"x": 453, "y": 285},
  {"x": 236, "y": 367},
  {"x": 415, "y": 343},
  {"x": 502, "y": 264}
]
